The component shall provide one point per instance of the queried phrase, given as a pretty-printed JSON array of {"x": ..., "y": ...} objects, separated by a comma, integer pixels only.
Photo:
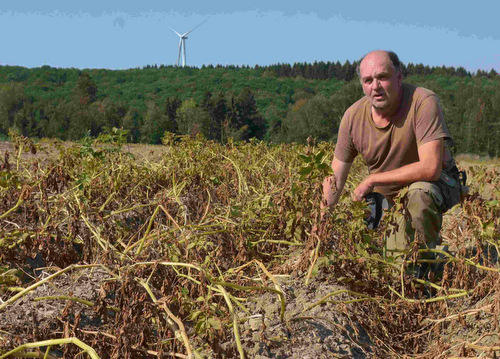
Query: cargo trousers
[{"x": 422, "y": 219}]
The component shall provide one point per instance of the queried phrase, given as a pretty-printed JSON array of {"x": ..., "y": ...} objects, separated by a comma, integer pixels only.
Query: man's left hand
[{"x": 362, "y": 190}]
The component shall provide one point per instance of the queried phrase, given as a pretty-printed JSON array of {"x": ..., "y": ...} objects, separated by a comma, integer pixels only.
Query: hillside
[{"x": 279, "y": 103}]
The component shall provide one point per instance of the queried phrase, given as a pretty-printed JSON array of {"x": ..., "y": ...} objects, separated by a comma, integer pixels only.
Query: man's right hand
[
  {"x": 333, "y": 185},
  {"x": 362, "y": 190},
  {"x": 329, "y": 188}
]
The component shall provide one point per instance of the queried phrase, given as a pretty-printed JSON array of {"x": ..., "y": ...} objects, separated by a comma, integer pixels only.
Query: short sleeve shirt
[{"x": 418, "y": 120}]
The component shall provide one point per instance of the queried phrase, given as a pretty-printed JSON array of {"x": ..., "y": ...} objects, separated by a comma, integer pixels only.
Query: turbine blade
[
  {"x": 194, "y": 28},
  {"x": 175, "y": 32}
]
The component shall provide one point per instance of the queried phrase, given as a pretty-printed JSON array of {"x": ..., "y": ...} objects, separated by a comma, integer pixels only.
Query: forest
[{"x": 277, "y": 103}]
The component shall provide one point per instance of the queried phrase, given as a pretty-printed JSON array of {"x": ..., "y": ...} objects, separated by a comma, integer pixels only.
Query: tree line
[{"x": 276, "y": 103}]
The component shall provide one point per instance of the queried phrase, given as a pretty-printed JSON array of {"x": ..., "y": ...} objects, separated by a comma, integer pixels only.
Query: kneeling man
[{"x": 399, "y": 131}]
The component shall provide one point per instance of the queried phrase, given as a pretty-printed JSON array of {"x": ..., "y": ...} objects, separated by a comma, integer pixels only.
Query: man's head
[{"x": 381, "y": 78}]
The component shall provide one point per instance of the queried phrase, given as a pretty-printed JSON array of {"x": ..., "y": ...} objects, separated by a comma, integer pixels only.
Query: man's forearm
[
  {"x": 413, "y": 172},
  {"x": 401, "y": 176},
  {"x": 333, "y": 186},
  {"x": 331, "y": 192}
]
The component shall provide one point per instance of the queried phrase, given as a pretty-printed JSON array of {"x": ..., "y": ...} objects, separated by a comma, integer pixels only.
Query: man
[{"x": 400, "y": 132}]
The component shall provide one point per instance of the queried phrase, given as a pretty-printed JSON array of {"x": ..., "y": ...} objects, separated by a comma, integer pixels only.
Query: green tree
[
  {"x": 244, "y": 120},
  {"x": 316, "y": 117},
  {"x": 159, "y": 118},
  {"x": 85, "y": 89},
  {"x": 12, "y": 100},
  {"x": 216, "y": 108},
  {"x": 133, "y": 122},
  {"x": 274, "y": 116},
  {"x": 192, "y": 119}
]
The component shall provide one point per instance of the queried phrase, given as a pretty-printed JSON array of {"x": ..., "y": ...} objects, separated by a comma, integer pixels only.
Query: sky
[{"x": 122, "y": 34}]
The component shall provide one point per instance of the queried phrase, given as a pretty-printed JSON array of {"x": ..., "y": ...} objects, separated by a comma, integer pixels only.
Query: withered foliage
[{"x": 192, "y": 228}]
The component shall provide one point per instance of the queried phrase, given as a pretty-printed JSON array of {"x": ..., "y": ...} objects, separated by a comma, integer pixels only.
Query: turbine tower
[{"x": 182, "y": 44}]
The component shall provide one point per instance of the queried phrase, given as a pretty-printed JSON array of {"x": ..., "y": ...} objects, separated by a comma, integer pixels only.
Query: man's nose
[{"x": 376, "y": 83}]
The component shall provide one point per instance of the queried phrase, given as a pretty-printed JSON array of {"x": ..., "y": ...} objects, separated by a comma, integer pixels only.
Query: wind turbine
[{"x": 182, "y": 44}]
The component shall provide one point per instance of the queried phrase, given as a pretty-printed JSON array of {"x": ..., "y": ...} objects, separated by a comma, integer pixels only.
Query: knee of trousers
[{"x": 422, "y": 207}]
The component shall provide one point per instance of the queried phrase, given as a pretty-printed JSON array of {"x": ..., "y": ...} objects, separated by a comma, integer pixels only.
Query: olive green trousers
[{"x": 422, "y": 220}]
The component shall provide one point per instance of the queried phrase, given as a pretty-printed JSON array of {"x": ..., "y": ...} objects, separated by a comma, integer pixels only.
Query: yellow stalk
[
  {"x": 87, "y": 349},
  {"x": 235, "y": 322}
]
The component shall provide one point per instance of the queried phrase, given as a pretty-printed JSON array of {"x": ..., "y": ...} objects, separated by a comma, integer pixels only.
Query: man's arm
[
  {"x": 331, "y": 193},
  {"x": 428, "y": 168}
]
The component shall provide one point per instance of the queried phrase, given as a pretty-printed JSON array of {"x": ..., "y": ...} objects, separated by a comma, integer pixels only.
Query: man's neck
[{"x": 381, "y": 118}]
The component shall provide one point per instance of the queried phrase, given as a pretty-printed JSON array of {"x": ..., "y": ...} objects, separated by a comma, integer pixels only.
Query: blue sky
[{"x": 127, "y": 34}]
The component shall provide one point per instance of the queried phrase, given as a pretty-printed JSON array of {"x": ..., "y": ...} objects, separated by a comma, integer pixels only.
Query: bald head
[{"x": 393, "y": 58}]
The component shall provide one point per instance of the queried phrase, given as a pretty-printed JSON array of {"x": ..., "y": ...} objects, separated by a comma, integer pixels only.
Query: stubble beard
[{"x": 380, "y": 105}]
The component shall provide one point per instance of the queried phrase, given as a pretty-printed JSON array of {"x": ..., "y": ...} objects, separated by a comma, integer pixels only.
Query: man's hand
[
  {"x": 333, "y": 185},
  {"x": 329, "y": 189},
  {"x": 365, "y": 187}
]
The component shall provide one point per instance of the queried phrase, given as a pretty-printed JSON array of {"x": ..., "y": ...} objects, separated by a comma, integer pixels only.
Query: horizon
[{"x": 227, "y": 66}]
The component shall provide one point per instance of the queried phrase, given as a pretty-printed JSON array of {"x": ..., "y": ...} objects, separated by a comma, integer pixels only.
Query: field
[{"x": 197, "y": 249}]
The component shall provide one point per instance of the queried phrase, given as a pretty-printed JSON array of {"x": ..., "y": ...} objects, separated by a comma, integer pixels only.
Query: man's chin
[{"x": 379, "y": 105}]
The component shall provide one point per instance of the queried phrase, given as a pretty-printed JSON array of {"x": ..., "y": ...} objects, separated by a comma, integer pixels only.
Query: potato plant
[{"x": 172, "y": 243}]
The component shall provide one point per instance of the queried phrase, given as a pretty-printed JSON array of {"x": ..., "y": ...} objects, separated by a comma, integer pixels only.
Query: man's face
[{"x": 381, "y": 83}]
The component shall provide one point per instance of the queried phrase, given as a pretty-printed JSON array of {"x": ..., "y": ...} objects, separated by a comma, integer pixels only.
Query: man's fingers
[{"x": 355, "y": 196}]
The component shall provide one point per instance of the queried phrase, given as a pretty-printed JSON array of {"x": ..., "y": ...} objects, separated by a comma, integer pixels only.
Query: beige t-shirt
[{"x": 419, "y": 120}]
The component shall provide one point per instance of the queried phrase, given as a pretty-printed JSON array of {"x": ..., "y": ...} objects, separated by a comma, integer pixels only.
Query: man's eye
[{"x": 368, "y": 81}]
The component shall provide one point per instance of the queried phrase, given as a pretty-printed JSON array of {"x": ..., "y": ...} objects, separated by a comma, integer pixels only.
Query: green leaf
[
  {"x": 493, "y": 203},
  {"x": 214, "y": 323},
  {"x": 345, "y": 279},
  {"x": 9, "y": 277},
  {"x": 194, "y": 315},
  {"x": 236, "y": 211},
  {"x": 325, "y": 168},
  {"x": 305, "y": 170},
  {"x": 319, "y": 157},
  {"x": 306, "y": 159},
  {"x": 200, "y": 326}
]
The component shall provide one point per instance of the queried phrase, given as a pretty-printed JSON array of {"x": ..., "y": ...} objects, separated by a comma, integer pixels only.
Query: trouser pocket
[{"x": 450, "y": 189}]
